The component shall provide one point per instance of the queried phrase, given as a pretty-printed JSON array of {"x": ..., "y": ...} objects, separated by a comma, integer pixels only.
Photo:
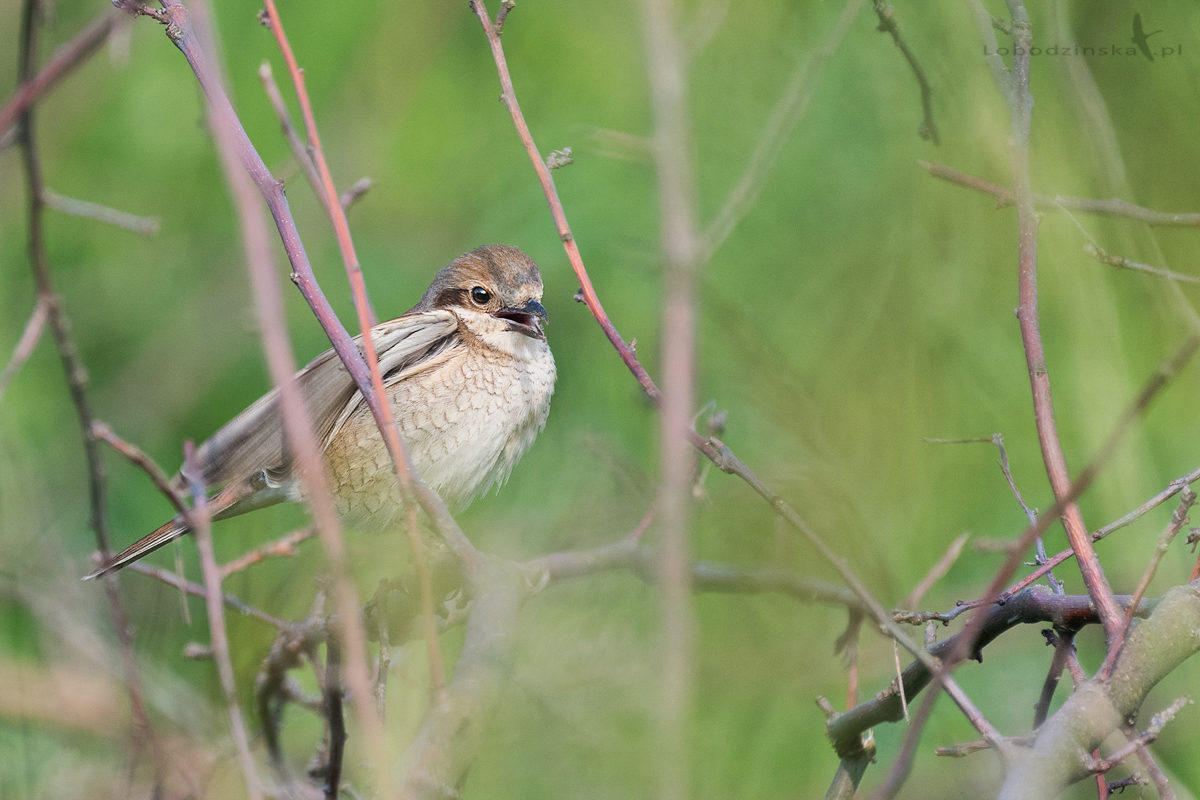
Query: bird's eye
[{"x": 480, "y": 296}]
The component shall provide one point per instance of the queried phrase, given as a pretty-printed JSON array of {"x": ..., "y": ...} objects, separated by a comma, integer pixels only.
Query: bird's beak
[{"x": 529, "y": 319}]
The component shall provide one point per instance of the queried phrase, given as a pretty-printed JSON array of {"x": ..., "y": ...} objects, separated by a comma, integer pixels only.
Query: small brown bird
[{"x": 468, "y": 374}]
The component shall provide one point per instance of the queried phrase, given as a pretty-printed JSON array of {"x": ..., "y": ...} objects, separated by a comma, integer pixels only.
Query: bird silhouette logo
[{"x": 1140, "y": 37}]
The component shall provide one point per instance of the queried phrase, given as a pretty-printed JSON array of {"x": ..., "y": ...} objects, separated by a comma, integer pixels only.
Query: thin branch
[
  {"x": 1036, "y": 604},
  {"x": 332, "y": 689},
  {"x": 1162, "y": 375},
  {"x": 240, "y": 162},
  {"x": 283, "y": 547},
  {"x": 672, "y": 153},
  {"x": 789, "y": 109},
  {"x": 143, "y": 226},
  {"x": 1105, "y": 208},
  {"x": 1161, "y": 783},
  {"x": 888, "y": 24},
  {"x": 176, "y": 581},
  {"x": 355, "y": 193},
  {"x": 1021, "y": 111},
  {"x": 200, "y": 522},
  {"x": 411, "y": 486},
  {"x": 138, "y": 458},
  {"x": 1143, "y": 740},
  {"x": 1124, "y": 263},
  {"x": 937, "y": 571},
  {"x": 1063, "y": 642},
  {"x": 300, "y": 152},
  {"x": 1155, "y": 648},
  {"x": 1179, "y": 518},
  {"x": 64, "y": 62},
  {"x": 76, "y": 375},
  {"x": 31, "y": 334},
  {"x": 713, "y": 448}
]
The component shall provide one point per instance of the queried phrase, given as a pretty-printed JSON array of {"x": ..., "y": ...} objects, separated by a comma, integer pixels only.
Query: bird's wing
[{"x": 255, "y": 441}]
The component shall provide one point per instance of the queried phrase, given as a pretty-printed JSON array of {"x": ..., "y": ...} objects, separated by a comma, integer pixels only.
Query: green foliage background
[{"x": 860, "y": 306}]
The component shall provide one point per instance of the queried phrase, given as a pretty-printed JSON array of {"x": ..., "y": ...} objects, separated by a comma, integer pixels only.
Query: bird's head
[{"x": 496, "y": 280}]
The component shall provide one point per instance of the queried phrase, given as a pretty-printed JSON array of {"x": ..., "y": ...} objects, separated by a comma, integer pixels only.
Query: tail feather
[
  {"x": 257, "y": 491},
  {"x": 147, "y": 544}
]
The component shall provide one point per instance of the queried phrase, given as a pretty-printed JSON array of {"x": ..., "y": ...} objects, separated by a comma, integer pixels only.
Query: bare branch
[
  {"x": 201, "y": 524},
  {"x": 176, "y": 581},
  {"x": 888, "y": 24},
  {"x": 143, "y": 226},
  {"x": 31, "y": 334},
  {"x": 1105, "y": 208},
  {"x": 285, "y": 546},
  {"x": 1124, "y": 263},
  {"x": 241, "y": 162},
  {"x": 64, "y": 62}
]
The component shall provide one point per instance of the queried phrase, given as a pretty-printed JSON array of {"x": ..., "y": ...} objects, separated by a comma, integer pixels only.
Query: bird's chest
[{"x": 465, "y": 421}]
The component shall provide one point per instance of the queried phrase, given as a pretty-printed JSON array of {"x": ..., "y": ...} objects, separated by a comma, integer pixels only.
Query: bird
[{"x": 468, "y": 374}]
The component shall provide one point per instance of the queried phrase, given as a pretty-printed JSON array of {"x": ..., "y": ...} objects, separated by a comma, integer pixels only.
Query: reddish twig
[
  {"x": 1021, "y": 109},
  {"x": 587, "y": 291},
  {"x": 936, "y": 572},
  {"x": 712, "y": 447},
  {"x": 240, "y": 160},
  {"x": 1140, "y": 741},
  {"x": 410, "y": 484}
]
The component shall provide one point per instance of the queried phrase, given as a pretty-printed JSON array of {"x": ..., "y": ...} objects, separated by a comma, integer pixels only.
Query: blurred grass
[{"x": 860, "y": 306}]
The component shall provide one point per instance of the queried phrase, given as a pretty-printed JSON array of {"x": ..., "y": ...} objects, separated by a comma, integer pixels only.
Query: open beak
[{"x": 530, "y": 319}]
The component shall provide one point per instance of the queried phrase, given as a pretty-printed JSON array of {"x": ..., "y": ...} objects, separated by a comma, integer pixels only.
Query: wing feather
[{"x": 255, "y": 439}]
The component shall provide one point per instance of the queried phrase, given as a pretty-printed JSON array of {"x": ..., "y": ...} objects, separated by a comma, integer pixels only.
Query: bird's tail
[
  {"x": 147, "y": 544},
  {"x": 257, "y": 491}
]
